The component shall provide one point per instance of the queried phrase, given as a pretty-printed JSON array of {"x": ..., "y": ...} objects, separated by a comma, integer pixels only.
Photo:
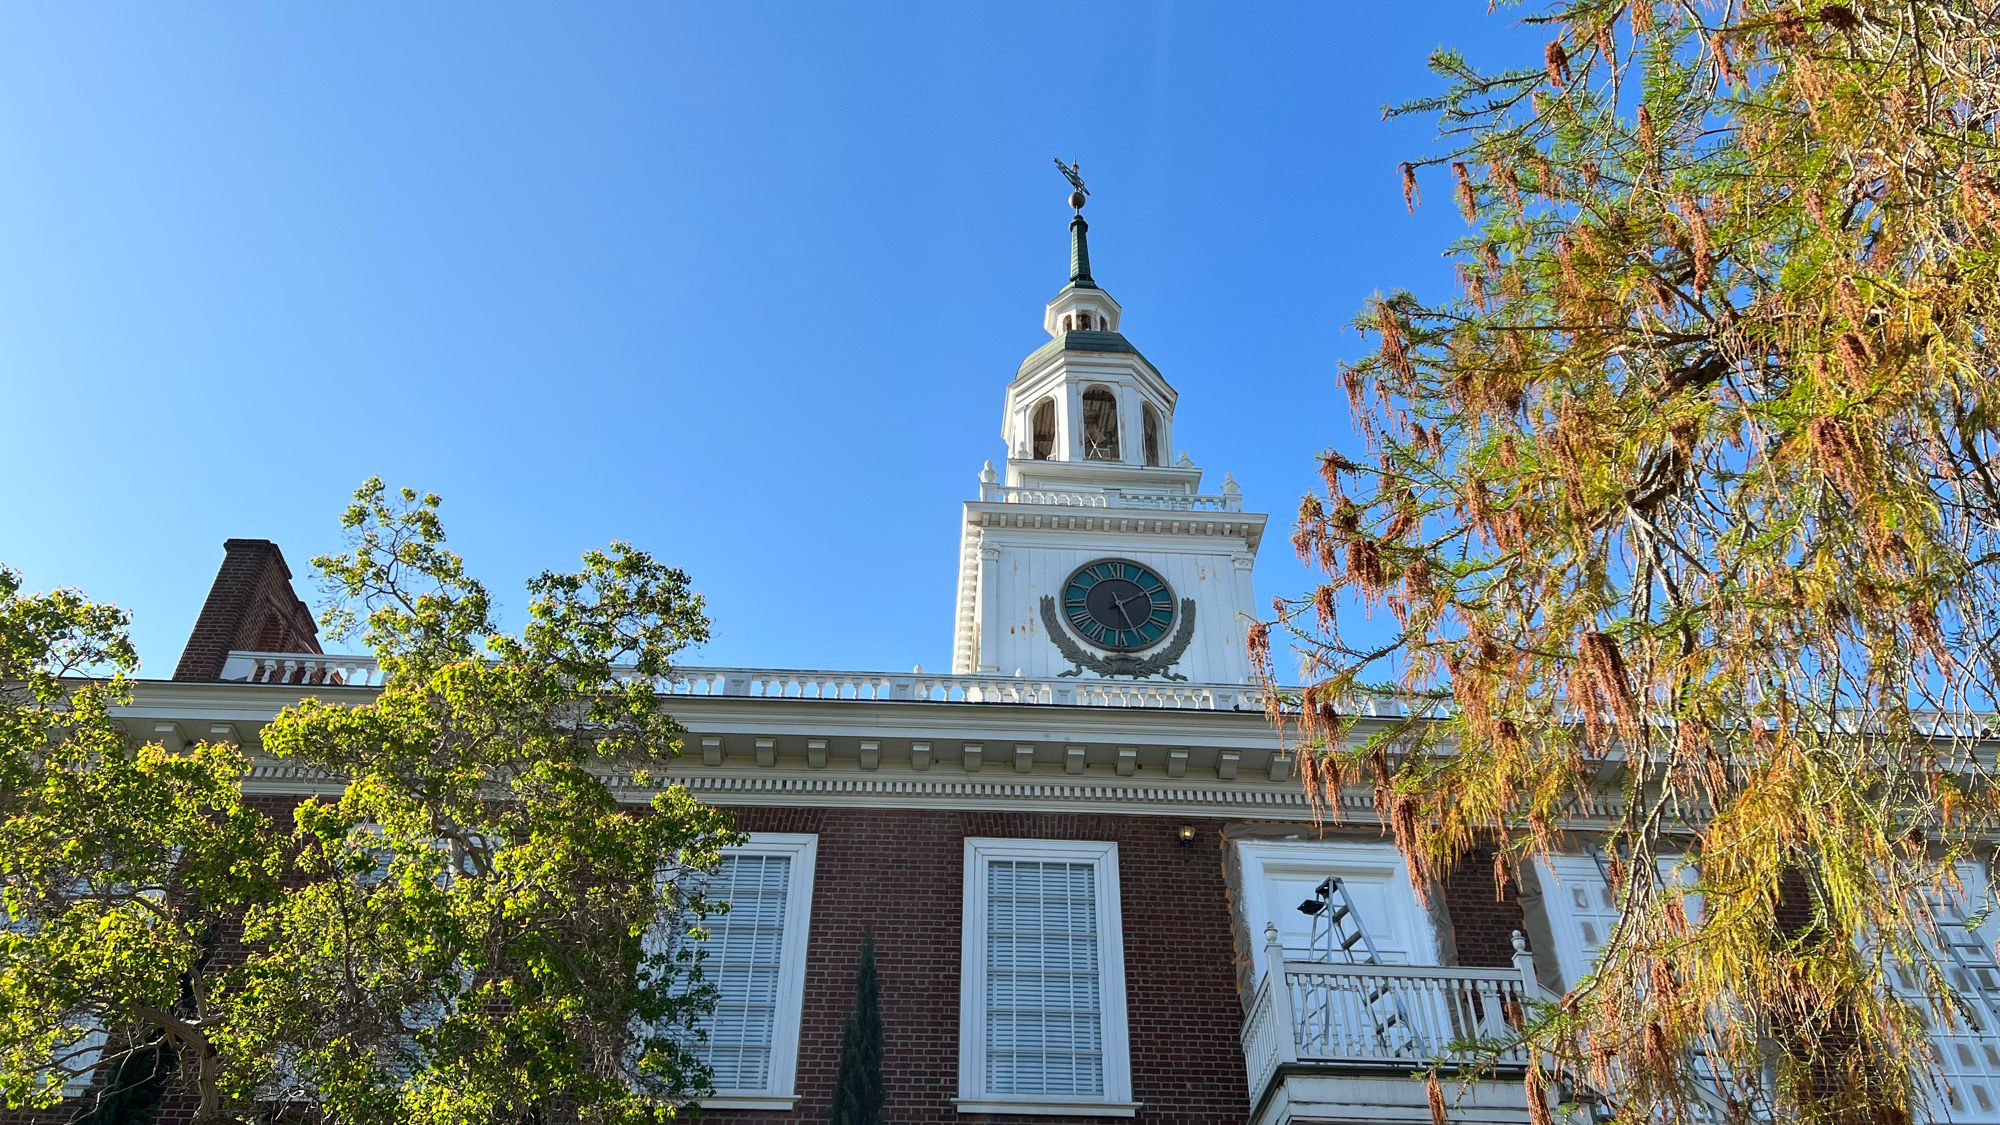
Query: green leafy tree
[
  {"x": 1691, "y": 490},
  {"x": 455, "y": 927},
  {"x": 858, "y": 1093},
  {"x": 100, "y": 845}
]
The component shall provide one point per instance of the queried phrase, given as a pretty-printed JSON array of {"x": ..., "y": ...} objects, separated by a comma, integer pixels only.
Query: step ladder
[{"x": 1338, "y": 937}]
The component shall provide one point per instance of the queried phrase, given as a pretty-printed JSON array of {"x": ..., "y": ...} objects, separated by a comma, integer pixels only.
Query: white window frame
[
  {"x": 781, "y": 1093},
  {"x": 1318, "y": 859},
  {"x": 86, "y": 1052},
  {"x": 1558, "y": 872},
  {"x": 973, "y": 1097}
]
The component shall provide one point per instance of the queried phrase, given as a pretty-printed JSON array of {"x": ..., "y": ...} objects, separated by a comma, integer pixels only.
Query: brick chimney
[{"x": 251, "y": 607}]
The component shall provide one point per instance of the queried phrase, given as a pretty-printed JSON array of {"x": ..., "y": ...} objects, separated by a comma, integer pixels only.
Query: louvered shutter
[
  {"x": 1044, "y": 1011},
  {"x": 745, "y": 958}
]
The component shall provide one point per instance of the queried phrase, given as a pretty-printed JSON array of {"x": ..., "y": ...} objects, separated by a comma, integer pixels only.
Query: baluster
[
  {"x": 1378, "y": 1045},
  {"x": 1415, "y": 1008},
  {"x": 1456, "y": 1002},
  {"x": 1437, "y": 1017},
  {"x": 1439, "y": 1026},
  {"x": 1286, "y": 1032},
  {"x": 1480, "y": 1002},
  {"x": 1356, "y": 1024}
]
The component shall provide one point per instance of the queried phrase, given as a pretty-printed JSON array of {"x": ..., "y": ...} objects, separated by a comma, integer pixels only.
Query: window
[
  {"x": 755, "y": 958},
  {"x": 79, "y": 1041},
  {"x": 1967, "y": 1047},
  {"x": 1100, "y": 425},
  {"x": 1044, "y": 426},
  {"x": 1583, "y": 911},
  {"x": 1278, "y": 875},
  {"x": 1151, "y": 435},
  {"x": 1042, "y": 988}
]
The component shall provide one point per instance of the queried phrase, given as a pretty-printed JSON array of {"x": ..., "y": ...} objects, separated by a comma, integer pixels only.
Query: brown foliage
[{"x": 1690, "y": 507}]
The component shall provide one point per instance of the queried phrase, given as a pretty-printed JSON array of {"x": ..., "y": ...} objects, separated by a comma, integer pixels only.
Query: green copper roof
[
  {"x": 1103, "y": 343},
  {"x": 1079, "y": 254}
]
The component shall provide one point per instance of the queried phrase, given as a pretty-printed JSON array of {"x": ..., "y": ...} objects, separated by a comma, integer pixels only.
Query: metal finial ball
[{"x": 1076, "y": 200}]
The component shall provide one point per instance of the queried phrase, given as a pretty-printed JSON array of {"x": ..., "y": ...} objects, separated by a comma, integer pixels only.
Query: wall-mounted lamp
[{"x": 1185, "y": 834}]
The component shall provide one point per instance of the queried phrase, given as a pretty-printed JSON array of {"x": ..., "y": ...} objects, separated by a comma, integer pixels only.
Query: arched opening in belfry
[
  {"x": 1150, "y": 435},
  {"x": 1100, "y": 425},
  {"x": 1044, "y": 428}
]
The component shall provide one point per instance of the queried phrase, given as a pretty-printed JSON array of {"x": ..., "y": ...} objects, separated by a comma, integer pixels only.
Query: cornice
[
  {"x": 1282, "y": 801},
  {"x": 844, "y": 789},
  {"x": 1247, "y": 526},
  {"x": 1064, "y": 739},
  {"x": 1247, "y": 800}
]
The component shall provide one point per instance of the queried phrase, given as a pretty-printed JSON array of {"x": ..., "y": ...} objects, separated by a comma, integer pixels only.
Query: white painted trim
[
  {"x": 847, "y": 787},
  {"x": 1051, "y": 1108},
  {"x": 1377, "y": 860},
  {"x": 1103, "y": 856},
  {"x": 1560, "y": 873},
  {"x": 735, "y": 1102},
  {"x": 1556, "y": 872},
  {"x": 803, "y": 850}
]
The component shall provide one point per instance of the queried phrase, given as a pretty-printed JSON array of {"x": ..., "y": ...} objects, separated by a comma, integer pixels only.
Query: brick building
[{"x": 1094, "y": 884}]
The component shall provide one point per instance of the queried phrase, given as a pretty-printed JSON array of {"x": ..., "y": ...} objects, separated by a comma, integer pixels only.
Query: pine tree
[{"x": 857, "y": 1092}]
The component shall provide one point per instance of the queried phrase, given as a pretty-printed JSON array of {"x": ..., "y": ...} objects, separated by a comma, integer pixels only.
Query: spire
[
  {"x": 1081, "y": 306},
  {"x": 1079, "y": 245},
  {"x": 1079, "y": 251}
]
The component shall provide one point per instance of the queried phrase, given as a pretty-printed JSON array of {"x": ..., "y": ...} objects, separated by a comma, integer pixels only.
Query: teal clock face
[{"x": 1118, "y": 605}]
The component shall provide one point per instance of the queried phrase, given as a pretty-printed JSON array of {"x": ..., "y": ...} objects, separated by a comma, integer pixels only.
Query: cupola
[
  {"x": 1094, "y": 552},
  {"x": 1087, "y": 397}
]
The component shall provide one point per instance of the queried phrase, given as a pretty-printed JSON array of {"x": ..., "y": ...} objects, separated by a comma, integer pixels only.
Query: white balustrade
[
  {"x": 1311, "y": 1012},
  {"x": 1158, "y": 500},
  {"x": 1409, "y": 1014},
  {"x": 317, "y": 670},
  {"x": 313, "y": 669}
]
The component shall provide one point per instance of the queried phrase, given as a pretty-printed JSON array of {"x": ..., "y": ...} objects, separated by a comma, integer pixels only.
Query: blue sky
[{"x": 742, "y": 283}]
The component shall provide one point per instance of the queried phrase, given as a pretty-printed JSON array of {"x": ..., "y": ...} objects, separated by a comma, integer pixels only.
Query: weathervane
[{"x": 1073, "y": 172}]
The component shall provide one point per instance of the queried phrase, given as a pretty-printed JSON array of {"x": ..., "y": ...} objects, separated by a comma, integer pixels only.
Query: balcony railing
[
  {"x": 1376, "y": 1016},
  {"x": 313, "y": 669},
  {"x": 1155, "y": 500}
]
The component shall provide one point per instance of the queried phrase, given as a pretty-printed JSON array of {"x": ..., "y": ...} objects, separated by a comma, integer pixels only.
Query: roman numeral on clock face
[{"x": 1117, "y": 604}]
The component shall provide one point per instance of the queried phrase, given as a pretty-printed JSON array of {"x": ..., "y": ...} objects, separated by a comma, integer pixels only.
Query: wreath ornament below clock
[{"x": 1122, "y": 608}]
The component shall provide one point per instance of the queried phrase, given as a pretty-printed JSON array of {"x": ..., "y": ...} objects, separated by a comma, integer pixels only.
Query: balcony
[{"x": 1341, "y": 1043}]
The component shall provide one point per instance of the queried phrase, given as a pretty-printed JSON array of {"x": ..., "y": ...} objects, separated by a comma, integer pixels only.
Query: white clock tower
[{"x": 1097, "y": 554}]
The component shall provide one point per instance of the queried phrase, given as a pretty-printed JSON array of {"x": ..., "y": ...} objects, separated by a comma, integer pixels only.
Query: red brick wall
[
  {"x": 1483, "y": 915},
  {"x": 900, "y": 873},
  {"x": 251, "y": 606}
]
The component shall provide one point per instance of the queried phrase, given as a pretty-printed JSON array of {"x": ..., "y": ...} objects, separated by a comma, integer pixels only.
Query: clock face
[{"x": 1117, "y": 604}]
